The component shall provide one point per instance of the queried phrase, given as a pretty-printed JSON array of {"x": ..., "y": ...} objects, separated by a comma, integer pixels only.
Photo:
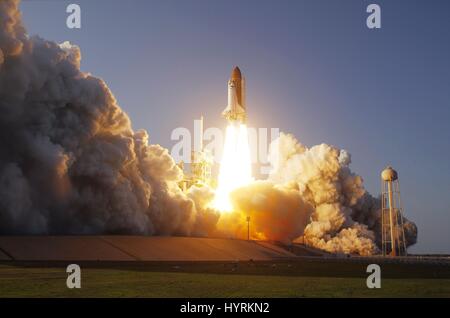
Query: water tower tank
[{"x": 389, "y": 174}]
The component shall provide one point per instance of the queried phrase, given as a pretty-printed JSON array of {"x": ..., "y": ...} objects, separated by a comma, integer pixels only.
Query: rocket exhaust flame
[{"x": 235, "y": 167}]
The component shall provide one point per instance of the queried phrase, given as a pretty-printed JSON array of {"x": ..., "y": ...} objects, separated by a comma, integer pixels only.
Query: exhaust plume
[{"x": 277, "y": 212}]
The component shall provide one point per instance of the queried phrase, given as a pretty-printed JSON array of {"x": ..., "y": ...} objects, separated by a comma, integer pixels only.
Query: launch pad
[
  {"x": 136, "y": 248},
  {"x": 118, "y": 249}
]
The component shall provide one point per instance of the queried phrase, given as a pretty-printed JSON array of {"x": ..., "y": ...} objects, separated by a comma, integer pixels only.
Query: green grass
[{"x": 98, "y": 282}]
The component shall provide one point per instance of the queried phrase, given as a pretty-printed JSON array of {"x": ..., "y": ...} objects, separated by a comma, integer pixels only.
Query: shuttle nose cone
[{"x": 236, "y": 73}]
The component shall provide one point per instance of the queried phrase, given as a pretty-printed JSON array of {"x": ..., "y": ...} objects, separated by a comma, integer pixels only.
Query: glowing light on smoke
[{"x": 235, "y": 167}]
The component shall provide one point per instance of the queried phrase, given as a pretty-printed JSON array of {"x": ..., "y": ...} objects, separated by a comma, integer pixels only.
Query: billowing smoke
[
  {"x": 346, "y": 218},
  {"x": 276, "y": 212},
  {"x": 70, "y": 163}
]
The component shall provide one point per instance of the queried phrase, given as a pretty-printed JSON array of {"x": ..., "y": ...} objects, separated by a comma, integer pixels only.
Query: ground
[{"x": 182, "y": 281}]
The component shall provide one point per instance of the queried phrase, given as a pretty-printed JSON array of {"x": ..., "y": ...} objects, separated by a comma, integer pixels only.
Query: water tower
[{"x": 393, "y": 234}]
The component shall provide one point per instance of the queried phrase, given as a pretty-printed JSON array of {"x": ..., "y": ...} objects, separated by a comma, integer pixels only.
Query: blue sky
[{"x": 312, "y": 67}]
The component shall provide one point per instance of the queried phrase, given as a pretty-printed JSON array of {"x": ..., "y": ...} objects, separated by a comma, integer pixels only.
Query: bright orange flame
[{"x": 235, "y": 167}]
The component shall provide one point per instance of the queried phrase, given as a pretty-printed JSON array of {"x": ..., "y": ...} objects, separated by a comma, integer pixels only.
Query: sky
[{"x": 312, "y": 69}]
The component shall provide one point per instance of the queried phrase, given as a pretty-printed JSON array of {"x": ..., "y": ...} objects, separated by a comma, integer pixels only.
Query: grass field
[{"x": 103, "y": 282}]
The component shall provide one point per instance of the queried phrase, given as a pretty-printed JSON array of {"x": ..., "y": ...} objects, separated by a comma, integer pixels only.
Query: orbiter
[{"x": 235, "y": 110}]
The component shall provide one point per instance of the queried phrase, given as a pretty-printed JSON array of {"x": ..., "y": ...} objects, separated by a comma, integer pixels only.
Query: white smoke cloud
[
  {"x": 70, "y": 161},
  {"x": 346, "y": 218}
]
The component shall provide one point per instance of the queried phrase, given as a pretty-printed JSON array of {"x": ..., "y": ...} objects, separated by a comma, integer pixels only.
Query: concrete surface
[
  {"x": 136, "y": 248},
  {"x": 3, "y": 256}
]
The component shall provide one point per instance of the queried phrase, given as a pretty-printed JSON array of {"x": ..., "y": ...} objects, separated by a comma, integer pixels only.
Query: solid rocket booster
[{"x": 235, "y": 110}]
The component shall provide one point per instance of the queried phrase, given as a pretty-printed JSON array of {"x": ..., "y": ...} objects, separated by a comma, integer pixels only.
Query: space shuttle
[{"x": 235, "y": 110}]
